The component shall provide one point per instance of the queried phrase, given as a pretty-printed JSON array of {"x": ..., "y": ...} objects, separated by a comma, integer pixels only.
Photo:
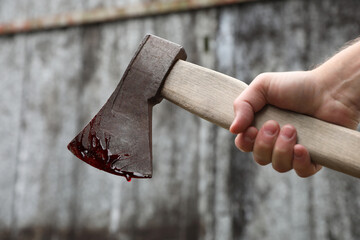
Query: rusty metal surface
[
  {"x": 101, "y": 15},
  {"x": 118, "y": 139}
]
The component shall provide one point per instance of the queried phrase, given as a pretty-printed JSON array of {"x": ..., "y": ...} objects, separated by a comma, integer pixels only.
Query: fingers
[
  {"x": 302, "y": 163},
  {"x": 272, "y": 144},
  {"x": 244, "y": 115},
  {"x": 275, "y": 145},
  {"x": 245, "y": 141},
  {"x": 265, "y": 141},
  {"x": 251, "y": 100},
  {"x": 283, "y": 150}
]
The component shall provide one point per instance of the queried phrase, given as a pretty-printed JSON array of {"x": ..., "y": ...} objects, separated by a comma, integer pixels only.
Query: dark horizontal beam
[{"x": 101, "y": 15}]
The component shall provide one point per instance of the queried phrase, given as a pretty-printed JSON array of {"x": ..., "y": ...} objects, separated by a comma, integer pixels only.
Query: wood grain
[{"x": 210, "y": 95}]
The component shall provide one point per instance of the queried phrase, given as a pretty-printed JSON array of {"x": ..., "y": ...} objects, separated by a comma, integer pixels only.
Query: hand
[{"x": 330, "y": 93}]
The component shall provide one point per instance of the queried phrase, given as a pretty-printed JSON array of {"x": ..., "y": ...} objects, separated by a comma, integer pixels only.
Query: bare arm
[{"x": 330, "y": 92}]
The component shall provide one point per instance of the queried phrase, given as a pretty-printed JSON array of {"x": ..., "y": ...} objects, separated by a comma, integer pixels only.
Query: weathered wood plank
[
  {"x": 43, "y": 186},
  {"x": 11, "y": 63},
  {"x": 99, "y": 14},
  {"x": 203, "y": 188}
]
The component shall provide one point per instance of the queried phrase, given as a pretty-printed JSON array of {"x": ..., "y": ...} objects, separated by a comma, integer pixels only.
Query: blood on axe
[{"x": 118, "y": 139}]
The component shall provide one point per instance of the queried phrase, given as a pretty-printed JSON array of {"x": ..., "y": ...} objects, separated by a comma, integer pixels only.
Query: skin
[{"x": 330, "y": 92}]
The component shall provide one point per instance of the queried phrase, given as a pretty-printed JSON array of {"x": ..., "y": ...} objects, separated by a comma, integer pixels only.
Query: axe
[{"x": 118, "y": 139}]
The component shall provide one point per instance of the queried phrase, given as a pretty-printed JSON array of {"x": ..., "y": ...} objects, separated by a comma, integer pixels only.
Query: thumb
[
  {"x": 244, "y": 116},
  {"x": 250, "y": 101}
]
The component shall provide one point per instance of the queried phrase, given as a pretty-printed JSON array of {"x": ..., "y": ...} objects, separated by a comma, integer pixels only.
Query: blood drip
[{"x": 99, "y": 156}]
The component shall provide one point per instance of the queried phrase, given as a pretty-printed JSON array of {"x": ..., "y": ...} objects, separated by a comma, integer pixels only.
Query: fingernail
[
  {"x": 270, "y": 128},
  {"x": 287, "y": 132},
  {"x": 249, "y": 139}
]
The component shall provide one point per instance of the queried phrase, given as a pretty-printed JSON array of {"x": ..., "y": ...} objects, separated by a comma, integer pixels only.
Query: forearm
[
  {"x": 345, "y": 65},
  {"x": 339, "y": 77}
]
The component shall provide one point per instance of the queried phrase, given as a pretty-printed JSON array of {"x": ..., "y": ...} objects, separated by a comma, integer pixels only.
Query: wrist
[
  {"x": 339, "y": 82},
  {"x": 343, "y": 67}
]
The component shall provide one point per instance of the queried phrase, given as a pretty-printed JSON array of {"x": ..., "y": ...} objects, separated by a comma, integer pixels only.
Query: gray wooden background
[{"x": 53, "y": 82}]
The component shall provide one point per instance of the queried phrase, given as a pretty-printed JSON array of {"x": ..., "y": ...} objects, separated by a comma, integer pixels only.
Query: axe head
[{"x": 118, "y": 139}]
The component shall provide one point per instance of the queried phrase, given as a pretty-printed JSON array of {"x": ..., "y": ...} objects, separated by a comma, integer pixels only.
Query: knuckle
[
  {"x": 236, "y": 102},
  {"x": 261, "y": 160},
  {"x": 282, "y": 151},
  {"x": 282, "y": 166},
  {"x": 241, "y": 147},
  {"x": 264, "y": 145},
  {"x": 262, "y": 77},
  {"x": 303, "y": 174}
]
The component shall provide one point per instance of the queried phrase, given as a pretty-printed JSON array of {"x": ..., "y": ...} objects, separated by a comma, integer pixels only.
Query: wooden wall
[{"x": 53, "y": 82}]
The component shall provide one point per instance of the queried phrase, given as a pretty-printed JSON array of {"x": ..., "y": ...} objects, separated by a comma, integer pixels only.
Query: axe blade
[{"x": 118, "y": 139}]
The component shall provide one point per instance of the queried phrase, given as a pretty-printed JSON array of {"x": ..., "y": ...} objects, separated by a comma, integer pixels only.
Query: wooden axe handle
[{"x": 210, "y": 95}]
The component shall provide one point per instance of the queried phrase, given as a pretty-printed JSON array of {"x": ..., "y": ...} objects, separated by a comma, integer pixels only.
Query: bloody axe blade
[{"x": 118, "y": 139}]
